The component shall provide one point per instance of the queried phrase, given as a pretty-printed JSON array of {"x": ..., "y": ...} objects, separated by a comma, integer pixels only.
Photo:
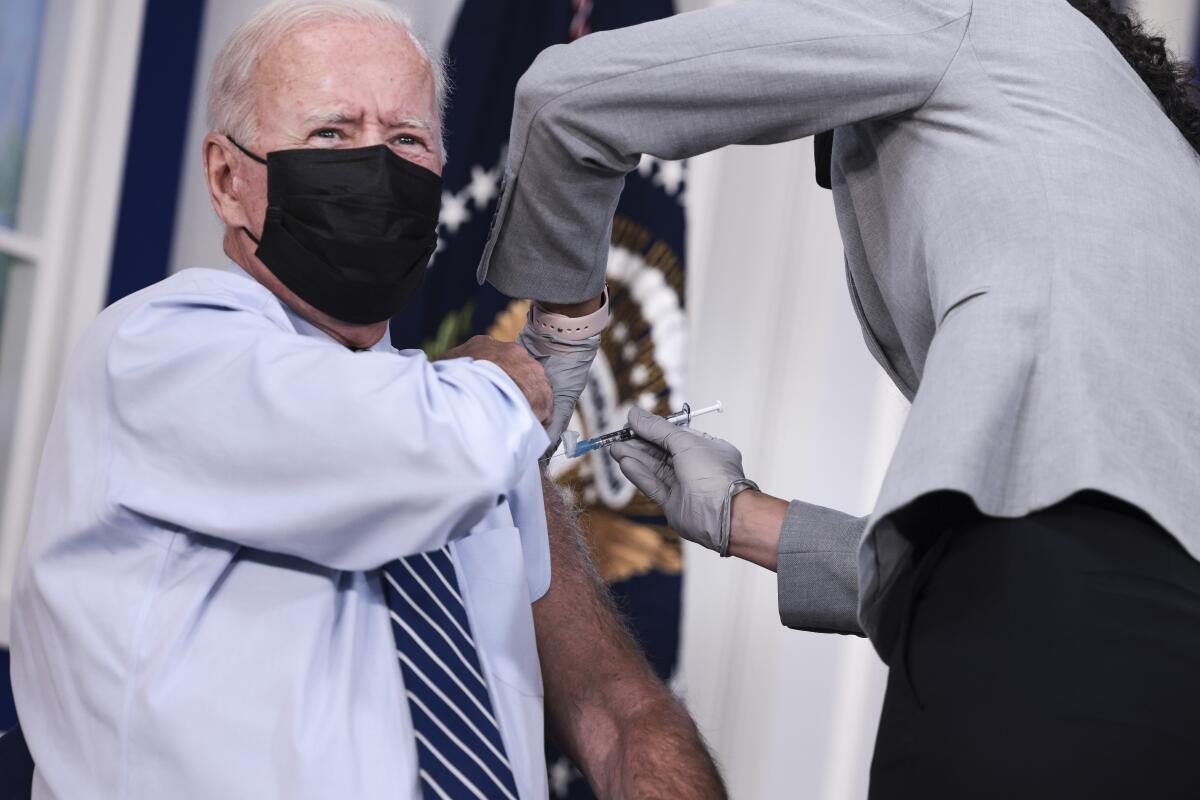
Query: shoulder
[
  {"x": 190, "y": 308},
  {"x": 191, "y": 292},
  {"x": 212, "y": 287}
]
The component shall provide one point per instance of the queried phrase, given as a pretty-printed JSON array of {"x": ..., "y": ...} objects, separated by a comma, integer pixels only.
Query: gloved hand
[
  {"x": 693, "y": 476},
  {"x": 566, "y": 364}
]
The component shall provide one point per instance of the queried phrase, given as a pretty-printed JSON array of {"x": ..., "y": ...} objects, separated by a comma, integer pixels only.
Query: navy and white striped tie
[{"x": 459, "y": 750}]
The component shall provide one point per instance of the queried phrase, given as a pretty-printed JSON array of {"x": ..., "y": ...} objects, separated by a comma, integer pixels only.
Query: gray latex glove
[
  {"x": 566, "y": 364},
  {"x": 693, "y": 476}
]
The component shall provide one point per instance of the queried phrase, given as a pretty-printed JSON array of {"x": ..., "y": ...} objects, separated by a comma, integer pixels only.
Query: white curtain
[{"x": 790, "y": 714}]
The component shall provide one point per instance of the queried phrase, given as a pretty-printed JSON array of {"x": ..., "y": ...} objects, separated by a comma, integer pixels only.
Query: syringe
[{"x": 573, "y": 447}]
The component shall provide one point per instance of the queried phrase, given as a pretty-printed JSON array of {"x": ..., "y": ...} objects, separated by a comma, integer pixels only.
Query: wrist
[
  {"x": 755, "y": 521},
  {"x": 739, "y": 486}
]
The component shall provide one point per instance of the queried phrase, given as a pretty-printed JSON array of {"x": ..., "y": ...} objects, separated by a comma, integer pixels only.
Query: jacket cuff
[{"x": 818, "y": 569}]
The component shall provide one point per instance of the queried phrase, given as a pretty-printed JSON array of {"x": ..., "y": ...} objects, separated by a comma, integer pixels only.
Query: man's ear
[{"x": 224, "y": 186}]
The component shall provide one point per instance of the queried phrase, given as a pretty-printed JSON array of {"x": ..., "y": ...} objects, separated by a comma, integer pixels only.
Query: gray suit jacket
[{"x": 1019, "y": 221}]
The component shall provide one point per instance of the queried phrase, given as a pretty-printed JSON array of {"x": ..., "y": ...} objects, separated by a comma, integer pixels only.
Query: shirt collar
[{"x": 306, "y": 328}]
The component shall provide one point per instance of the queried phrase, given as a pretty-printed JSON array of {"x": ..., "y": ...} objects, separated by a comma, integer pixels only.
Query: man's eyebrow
[
  {"x": 333, "y": 118},
  {"x": 411, "y": 122}
]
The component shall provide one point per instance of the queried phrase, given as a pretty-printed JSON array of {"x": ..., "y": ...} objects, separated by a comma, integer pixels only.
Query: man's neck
[{"x": 239, "y": 248}]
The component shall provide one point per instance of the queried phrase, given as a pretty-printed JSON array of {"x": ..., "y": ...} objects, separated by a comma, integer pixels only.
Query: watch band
[{"x": 570, "y": 328}]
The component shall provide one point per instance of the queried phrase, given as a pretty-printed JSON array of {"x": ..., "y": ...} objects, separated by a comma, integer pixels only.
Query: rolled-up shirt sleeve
[
  {"x": 227, "y": 424},
  {"x": 818, "y": 569}
]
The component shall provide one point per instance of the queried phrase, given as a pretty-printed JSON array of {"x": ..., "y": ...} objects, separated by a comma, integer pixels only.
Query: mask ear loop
[
  {"x": 260, "y": 160},
  {"x": 250, "y": 155}
]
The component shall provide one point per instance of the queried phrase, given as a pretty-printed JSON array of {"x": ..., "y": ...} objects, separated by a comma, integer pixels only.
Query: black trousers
[{"x": 1052, "y": 656}]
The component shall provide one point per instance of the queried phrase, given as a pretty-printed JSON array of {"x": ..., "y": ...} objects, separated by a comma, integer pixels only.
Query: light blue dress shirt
[{"x": 198, "y": 612}]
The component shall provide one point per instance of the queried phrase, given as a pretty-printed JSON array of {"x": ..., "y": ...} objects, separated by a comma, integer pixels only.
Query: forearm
[
  {"x": 605, "y": 707},
  {"x": 755, "y": 521},
  {"x": 814, "y": 550},
  {"x": 745, "y": 73},
  {"x": 655, "y": 752}
]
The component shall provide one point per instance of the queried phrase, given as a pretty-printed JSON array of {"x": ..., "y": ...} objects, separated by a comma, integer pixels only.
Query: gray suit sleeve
[
  {"x": 818, "y": 570},
  {"x": 746, "y": 73}
]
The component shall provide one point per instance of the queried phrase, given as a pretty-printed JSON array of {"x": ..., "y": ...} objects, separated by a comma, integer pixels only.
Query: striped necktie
[{"x": 459, "y": 750}]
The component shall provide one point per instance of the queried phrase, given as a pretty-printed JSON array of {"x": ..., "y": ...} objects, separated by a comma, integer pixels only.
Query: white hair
[{"x": 231, "y": 102}]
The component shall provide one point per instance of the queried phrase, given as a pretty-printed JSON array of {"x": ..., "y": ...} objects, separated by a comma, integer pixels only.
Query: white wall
[{"x": 1175, "y": 19}]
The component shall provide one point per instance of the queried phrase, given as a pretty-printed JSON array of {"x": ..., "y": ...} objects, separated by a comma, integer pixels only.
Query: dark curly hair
[{"x": 1170, "y": 79}]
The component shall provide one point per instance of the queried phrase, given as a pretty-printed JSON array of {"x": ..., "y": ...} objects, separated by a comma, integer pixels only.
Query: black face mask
[{"x": 349, "y": 231}]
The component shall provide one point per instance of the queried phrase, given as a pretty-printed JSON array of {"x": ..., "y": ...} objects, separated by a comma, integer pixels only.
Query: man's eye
[
  {"x": 406, "y": 139},
  {"x": 326, "y": 133}
]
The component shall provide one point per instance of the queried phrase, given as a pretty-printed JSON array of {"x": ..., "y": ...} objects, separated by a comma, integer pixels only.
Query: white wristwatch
[{"x": 570, "y": 328}]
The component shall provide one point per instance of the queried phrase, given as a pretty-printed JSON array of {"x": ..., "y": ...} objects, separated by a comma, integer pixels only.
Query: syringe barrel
[
  {"x": 623, "y": 435},
  {"x": 682, "y": 417}
]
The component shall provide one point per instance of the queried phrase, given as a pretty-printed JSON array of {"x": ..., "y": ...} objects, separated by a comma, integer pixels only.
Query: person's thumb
[{"x": 652, "y": 428}]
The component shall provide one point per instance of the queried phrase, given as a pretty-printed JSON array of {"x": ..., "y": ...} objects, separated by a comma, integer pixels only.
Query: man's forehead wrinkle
[
  {"x": 339, "y": 75},
  {"x": 346, "y": 116},
  {"x": 280, "y": 72},
  {"x": 335, "y": 117},
  {"x": 345, "y": 40}
]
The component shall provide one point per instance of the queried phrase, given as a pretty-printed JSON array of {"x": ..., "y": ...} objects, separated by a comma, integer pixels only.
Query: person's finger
[
  {"x": 652, "y": 458},
  {"x": 639, "y": 448},
  {"x": 644, "y": 478},
  {"x": 654, "y": 463},
  {"x": 654, "y": 428}
]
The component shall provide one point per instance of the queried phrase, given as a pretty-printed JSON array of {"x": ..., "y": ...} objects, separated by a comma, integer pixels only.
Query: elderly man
[{"x": 272, "y": 557}]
